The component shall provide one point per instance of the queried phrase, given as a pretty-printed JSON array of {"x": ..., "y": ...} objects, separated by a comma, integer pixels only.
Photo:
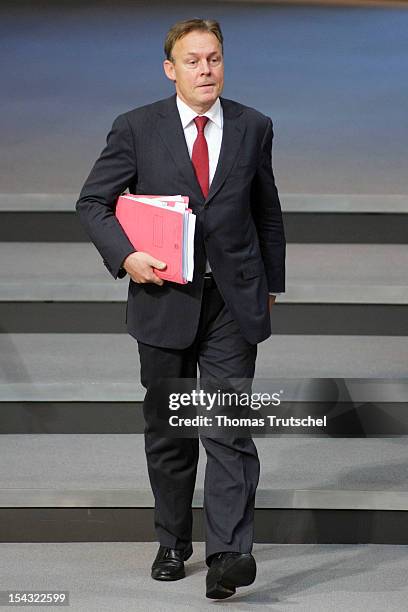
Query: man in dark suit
[{"x": 218, "y": 152}]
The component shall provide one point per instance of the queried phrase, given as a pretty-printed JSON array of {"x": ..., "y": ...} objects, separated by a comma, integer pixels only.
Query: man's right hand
[{"x": 140, "y": 266}]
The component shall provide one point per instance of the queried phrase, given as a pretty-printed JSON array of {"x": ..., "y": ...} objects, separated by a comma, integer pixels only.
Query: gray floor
[{"x": 291, "y": 578}]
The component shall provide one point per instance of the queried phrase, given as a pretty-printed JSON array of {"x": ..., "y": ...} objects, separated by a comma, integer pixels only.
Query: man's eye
[{"x": 192, "y": 62}]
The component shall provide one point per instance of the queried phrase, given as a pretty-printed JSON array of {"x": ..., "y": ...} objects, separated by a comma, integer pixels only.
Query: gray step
[
  {"x": 308, "y": 218},
  {"x": 286, "y": 318},
  {"x": 383, "y": 204},
  {"x": 323, "y": 273},
  {"x": 110, "y": 471},
  {"x": 103, "y": 368}
]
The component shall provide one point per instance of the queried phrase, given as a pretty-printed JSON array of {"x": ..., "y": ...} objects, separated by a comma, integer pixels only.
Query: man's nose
[{"x": 205, "y": 67}]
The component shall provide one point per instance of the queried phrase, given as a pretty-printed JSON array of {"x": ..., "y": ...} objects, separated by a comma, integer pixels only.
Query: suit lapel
[
  {"x": 171, "y": 132},
  {"x": 232, "y": 133}
]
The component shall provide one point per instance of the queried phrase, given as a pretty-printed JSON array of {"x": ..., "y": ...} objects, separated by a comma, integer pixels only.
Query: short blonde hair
[{"x": 181, "y": 28}]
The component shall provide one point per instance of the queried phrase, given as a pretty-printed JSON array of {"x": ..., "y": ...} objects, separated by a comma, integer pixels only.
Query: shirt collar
[{"x": 187, "y": 114}]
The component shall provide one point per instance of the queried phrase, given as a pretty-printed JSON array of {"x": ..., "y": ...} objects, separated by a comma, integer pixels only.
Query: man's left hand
[{"x": 272, "y": 299}]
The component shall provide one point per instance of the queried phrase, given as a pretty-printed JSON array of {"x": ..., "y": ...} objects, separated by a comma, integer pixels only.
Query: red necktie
[{"x": 199, "y": 156}]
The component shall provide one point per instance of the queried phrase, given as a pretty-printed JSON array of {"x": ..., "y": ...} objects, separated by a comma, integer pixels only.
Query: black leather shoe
[
  {"x": 227, "y": 571},
  {"x": 169, "y": 563}
]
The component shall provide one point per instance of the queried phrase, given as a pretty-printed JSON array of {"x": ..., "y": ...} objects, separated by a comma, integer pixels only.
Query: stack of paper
[{"x": 162, "y": 226}]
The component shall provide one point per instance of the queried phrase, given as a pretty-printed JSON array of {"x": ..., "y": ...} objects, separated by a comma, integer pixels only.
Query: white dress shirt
[
  {"x": 212, "y": 131},
  {"x": 213, "y": 136}
]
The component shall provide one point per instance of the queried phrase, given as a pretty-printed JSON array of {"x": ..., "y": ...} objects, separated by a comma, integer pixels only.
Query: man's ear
[{"x": 168, "y": 67}]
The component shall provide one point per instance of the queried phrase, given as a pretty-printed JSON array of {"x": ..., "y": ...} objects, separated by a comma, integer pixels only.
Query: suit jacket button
[{"x": 206, "y": 205}]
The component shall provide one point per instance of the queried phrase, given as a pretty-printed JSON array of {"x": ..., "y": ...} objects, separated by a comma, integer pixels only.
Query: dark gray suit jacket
[{"x": 239, "y": 225}]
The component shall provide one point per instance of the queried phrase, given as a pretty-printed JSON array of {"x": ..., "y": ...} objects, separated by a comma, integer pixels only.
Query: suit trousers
[{"x": 232, "y": 468}]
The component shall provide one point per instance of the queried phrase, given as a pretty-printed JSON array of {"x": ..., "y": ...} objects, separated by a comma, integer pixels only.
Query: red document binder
[{"x": 158, "y": 225}]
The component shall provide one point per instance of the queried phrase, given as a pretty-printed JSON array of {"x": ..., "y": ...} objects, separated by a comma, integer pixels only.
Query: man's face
[{"x": 197, "y": 69}]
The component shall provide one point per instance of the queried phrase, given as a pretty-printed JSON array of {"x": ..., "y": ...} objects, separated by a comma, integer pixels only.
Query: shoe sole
[
  {"x": 169, "y": 578},
  {"x": 241, "y": 573}
]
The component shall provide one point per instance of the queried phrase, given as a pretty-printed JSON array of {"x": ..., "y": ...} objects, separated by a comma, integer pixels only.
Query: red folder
[{"x": 156, "y": 229}]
